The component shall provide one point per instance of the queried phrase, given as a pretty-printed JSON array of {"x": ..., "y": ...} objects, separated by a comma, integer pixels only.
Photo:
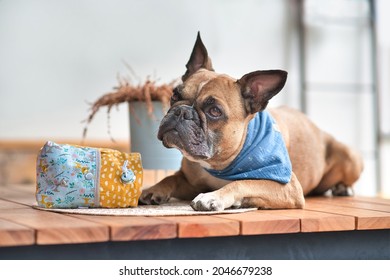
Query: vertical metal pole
[
  {"x": 377, "y": 107},
  {"x": 302, "y": 56}
]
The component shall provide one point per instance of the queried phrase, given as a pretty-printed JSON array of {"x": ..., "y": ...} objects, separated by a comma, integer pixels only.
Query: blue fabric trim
[{"x": 263, "y": 156}]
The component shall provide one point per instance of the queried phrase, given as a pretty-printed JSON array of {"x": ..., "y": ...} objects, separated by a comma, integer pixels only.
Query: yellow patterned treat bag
[{"x": 70, "y": 176}]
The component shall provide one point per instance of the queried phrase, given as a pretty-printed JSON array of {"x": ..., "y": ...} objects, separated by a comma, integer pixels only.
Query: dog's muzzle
[{"x": 182, "y": 128}]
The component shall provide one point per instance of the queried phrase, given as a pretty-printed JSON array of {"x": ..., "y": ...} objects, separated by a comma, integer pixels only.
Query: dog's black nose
[{"x": 185, "y": 112}]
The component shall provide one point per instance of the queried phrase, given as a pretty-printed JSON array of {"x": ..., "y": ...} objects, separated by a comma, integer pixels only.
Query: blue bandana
[{"x": 263, "y": 156}]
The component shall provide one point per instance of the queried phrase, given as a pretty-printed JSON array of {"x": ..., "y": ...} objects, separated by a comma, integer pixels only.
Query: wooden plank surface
[
  {"x": 12, "y": 234},
  {"x": 5, "y": 204},
  {"x": 35, "y": 145},
  {"x": 312, "y": 221},
  {"x": 365, "y": 219},
  {"x": 377, "y": 200},
  {"x": 375, "y": 205},
  {"x": 19, "y": 194},
  {"x": 135, "y": 228},
  {"x": 22, "y": 225},
  {"x": 53, "y": 228},
  {"x": 261, "y": 222},
  {"x": 204, "y": 226}
]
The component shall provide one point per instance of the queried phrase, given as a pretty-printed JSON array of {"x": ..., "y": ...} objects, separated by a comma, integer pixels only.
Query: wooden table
[{"x": 357, "y": 227}]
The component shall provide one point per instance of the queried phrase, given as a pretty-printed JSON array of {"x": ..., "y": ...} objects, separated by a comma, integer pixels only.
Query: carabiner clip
[{"x": 128, "y": 175}]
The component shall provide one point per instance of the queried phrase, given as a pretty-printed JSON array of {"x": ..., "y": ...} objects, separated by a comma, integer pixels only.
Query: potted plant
[{"x": 148, "y": 103}]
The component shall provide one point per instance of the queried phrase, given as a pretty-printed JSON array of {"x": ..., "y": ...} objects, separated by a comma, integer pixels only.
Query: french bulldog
[{"x": 237, "y": 153}]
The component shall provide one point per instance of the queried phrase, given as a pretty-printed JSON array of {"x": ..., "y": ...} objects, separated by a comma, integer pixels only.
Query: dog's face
[{"x": 209, "y": 112}]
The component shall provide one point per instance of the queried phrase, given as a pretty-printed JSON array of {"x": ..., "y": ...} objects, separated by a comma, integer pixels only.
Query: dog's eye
[
  {"x": 175, "y": 96},
  {"x": 214, "y": 112}
]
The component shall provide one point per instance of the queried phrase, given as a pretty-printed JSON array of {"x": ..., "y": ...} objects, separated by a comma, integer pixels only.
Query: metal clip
[{"x": 128, "y": 175}]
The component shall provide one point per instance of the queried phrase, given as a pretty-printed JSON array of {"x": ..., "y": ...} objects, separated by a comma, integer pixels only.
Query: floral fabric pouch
[{"x": 70, "y": 176}]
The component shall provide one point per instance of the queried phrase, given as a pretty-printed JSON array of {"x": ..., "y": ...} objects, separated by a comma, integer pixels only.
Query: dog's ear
[
  {"x": 198, "y": 59},
  {"x": 258, "y": 87}
]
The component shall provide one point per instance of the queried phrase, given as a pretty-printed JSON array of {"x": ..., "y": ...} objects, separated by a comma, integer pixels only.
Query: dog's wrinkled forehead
[{"x": 201, "y": 83}]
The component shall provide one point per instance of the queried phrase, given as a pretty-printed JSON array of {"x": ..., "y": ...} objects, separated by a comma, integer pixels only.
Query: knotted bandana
[{"x": 263, "y": 156}]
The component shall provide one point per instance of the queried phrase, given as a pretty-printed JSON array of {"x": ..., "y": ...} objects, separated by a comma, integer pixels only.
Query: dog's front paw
[
  {"x": 207, "y": 202},
  {"x": 154, "y": 196}
]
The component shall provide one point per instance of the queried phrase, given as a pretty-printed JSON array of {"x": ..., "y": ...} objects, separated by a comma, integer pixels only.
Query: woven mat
[{"x": 176, "y": 208}]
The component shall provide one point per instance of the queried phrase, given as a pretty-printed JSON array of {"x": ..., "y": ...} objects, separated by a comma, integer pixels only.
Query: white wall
[
  {"x": 339, "y": 79},
  {"x": 55, "y": 56},
  {"x": 384, "y": 86}
]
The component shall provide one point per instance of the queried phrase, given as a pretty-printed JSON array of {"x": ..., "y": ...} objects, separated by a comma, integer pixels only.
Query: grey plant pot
[{"x": 143, "y": 138}]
